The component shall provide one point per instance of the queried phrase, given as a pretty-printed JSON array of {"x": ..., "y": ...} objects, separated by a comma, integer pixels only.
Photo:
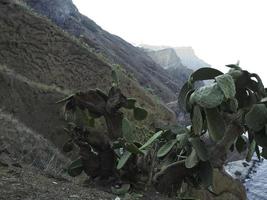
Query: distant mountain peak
[
  {"x": 167, "y": 58},
  {"x": 189, "y": 58},
  {"x": 186, "y": 54}
]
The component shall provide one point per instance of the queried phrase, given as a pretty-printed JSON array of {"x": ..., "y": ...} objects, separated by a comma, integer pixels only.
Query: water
[{"x": 257, "y": 185}]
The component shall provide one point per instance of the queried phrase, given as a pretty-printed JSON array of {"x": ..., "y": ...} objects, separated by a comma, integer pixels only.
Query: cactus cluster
[{"x": 227, "y": 113}]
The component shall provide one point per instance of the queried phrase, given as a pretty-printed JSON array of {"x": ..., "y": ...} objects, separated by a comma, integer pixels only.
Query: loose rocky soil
[
  {"x": 21, "y": 183},
  {"x": 29, "y": 183}
]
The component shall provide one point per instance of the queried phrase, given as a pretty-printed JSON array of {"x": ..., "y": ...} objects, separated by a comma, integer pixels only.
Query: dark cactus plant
[{"x": 102, "y": 154}]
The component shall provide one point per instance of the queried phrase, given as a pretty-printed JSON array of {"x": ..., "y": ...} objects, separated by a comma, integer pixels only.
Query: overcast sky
[{"x": 220, "y": 31}]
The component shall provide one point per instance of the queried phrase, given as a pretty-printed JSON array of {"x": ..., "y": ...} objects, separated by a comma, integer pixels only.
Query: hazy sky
[{"x": 220, "y": 31}]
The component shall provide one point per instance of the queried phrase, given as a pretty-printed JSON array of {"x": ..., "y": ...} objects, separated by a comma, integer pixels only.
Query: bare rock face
[{"x": 64, "y": 9}]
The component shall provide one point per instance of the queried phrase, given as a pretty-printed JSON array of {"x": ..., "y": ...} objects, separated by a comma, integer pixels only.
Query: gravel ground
[{"x": 29, "y": 183}]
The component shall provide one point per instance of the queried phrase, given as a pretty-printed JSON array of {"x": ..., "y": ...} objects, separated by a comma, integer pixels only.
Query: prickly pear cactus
[
  {"x": 222, "y": 111},
  {"x": 102, "y": 153}
]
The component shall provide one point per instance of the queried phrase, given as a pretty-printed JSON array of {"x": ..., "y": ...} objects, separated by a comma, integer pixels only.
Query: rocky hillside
[
  {"x": 186, "y": 54},
  {"x": 113, "y": 48},
  {"x": 40, "y": 64}
]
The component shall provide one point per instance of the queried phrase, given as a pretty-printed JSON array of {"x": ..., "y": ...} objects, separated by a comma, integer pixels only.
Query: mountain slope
[
  {"x": 40, "y": 64},
  {"x": 116, "y": 50}
]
